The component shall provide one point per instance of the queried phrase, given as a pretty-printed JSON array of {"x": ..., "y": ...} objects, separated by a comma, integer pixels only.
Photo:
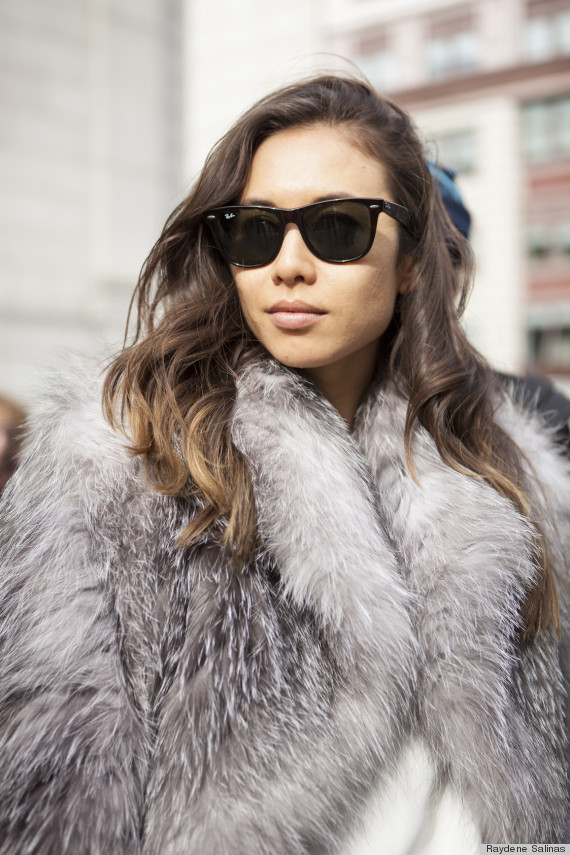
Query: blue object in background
[{"x": 451, "y": 197}]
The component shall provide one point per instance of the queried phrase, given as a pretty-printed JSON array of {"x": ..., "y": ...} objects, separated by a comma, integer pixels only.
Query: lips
[
  {"x": 295, "y": 306},
  {"x": 294, "y": 314}
]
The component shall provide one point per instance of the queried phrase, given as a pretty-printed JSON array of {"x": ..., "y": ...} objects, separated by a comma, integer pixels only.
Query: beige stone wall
[{"x": 90, "y": 164}]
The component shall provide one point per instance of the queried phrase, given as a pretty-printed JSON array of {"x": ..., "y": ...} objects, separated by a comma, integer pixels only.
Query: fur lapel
[
  {"x": 255, "y": 709},
  {"x": 412, "y": 579},
  {"x": 467, "y": 556}
]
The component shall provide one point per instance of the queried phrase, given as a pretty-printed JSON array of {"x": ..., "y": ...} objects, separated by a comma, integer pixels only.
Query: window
[
  {"x": 564, "y": 235},
  {"x": 549, "y": 348},
  {"x": 380, "y": 68},
  {"x": 538, "y": 242},
  {"x": 547, "y": 35},
  {"x": 552, "y": 240},
  {"x": 564, "y": 32},
  {"x": 376, "y": 59},
  {"x": 453, "y": 46},
  {"x": 563, "y": 128},
  {"x": 546, "y": 129},
  {"x": 456, "y": 150},
  {"x": 539, "y": 39}
]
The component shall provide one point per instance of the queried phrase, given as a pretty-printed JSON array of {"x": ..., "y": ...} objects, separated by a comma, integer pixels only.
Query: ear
[{"x": 408, "y": 281}]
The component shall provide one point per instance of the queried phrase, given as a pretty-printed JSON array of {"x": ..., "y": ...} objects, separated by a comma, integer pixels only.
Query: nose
[{"x": 295, "y": 261}]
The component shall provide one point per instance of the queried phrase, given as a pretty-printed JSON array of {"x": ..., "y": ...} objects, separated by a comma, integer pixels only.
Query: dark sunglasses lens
[
  {"x": 339, "y": 231},
  {"x": 249, "y": 237}
]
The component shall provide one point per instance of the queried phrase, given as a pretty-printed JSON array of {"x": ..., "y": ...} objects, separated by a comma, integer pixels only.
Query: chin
[{"x": 300, "y": 362}]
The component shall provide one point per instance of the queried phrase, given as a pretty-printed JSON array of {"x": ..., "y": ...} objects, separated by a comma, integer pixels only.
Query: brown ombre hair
[{"x": 177, "y": 378}]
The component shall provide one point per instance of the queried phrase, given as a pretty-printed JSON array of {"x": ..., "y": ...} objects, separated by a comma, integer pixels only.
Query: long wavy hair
[{"x": 172, "y": 389}]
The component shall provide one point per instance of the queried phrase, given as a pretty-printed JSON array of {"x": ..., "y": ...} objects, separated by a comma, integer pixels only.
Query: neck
[{"x": 345, "y": 382}]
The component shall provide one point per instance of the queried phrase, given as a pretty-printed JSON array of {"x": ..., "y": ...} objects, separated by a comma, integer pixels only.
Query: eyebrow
[{"x": 327, "y": 198}]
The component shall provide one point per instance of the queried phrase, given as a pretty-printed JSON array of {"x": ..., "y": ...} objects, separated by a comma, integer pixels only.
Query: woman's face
[{"x": 348, "y": 306}]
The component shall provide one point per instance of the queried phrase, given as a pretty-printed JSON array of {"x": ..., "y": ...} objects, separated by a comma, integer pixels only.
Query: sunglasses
[{"x": 338, "y": 230}]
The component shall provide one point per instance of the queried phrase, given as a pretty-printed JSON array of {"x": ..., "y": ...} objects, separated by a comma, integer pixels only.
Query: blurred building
[
  {"x": 236, "y": 52},
  {"x": 109, "y": 107},
  {"x": 90, "y": 164},
  {"x": 488, "y": 82}
]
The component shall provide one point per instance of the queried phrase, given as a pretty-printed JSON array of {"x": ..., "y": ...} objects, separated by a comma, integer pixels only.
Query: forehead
[{"x": 300, "y": 165}]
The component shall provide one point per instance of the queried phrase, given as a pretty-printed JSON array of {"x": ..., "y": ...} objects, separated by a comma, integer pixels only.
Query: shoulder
[
  {"x": 68, "y": 419},
  {"x": 547, "y": 482},
  {"x": 544, "y": 457},
  {"x": 538, "y": 395},
  {"x": 68, "y": 434},
  {"x": 535, "y": 429},
  {"x": 76, "y": 472}
]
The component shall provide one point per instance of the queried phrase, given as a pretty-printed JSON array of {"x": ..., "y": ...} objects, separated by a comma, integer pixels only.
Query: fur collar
[
  {"x": 419, "y": 582},
  {"x": 255, "y": 709}
]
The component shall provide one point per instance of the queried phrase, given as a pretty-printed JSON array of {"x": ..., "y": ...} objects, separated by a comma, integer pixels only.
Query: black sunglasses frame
[{"x": 296, "y": 216}]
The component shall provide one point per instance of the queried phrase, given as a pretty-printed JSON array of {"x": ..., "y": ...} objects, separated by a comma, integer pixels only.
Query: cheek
[
  {"x": 371, "y": 309},
  {"x": 371, "y": 324},
  {"x": 250, "y": 301},
  {"x": 245, "y": 294}
]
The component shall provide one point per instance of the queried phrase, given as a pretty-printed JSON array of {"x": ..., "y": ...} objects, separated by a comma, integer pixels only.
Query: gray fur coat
[{"x": 159, "y": 701}]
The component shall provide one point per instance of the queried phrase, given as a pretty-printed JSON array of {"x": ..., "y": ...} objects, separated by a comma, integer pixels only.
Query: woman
[{"x": 317, "y": 563}]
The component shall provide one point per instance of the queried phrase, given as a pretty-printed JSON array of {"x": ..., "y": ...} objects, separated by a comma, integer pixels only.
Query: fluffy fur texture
[{"x": 163, "y": 700}]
